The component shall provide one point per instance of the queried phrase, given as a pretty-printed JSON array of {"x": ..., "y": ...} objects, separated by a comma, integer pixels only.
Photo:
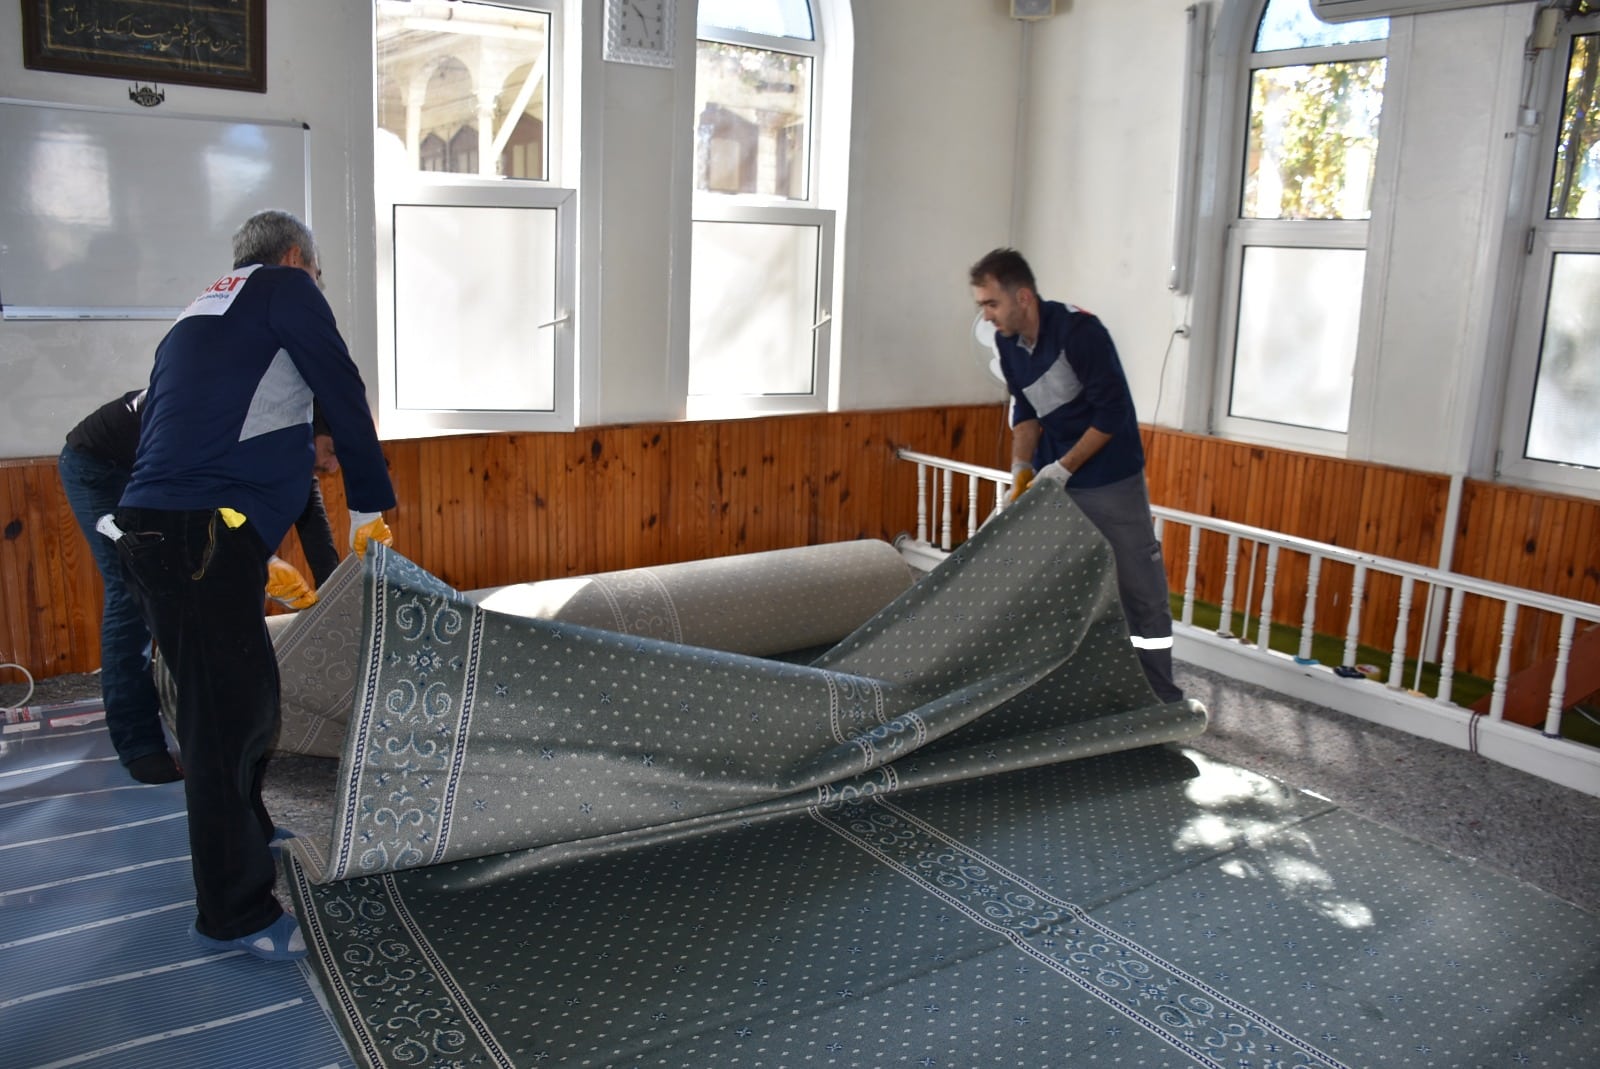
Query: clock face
[
  {"x": 641, "y": 23},
  {"x": 639, "y": 31}
]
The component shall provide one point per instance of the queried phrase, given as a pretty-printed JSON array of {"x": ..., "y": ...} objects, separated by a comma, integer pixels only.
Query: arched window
[
  {"x": 523, "y": 154},
  {"x": 464, "y": 151},
  {"x": 1308, "y": 112},
  {"x": 761, "y": 287},
  {"x": 431, "y": 155}
]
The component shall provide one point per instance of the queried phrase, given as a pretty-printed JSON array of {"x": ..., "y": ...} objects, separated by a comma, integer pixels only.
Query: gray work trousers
[{"x": 1121, "y": 512}]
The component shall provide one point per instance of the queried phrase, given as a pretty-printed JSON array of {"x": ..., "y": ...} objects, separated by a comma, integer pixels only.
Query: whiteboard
[{"x": 122, "y": 215}]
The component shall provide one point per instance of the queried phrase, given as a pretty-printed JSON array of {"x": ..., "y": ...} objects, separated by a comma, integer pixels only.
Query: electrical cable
[
  {"x": 23, "y": 704},
  {"x": 1161, "y": 381}
]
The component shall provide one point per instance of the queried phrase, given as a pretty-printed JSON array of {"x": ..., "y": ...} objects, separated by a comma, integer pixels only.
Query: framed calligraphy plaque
[{"x": 217, "y": 43}]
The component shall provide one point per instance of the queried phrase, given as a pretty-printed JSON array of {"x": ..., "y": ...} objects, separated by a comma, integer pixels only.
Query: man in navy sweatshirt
[
  {"x": 1073, "y": 425},
  {"x": 219, "y": 477}
]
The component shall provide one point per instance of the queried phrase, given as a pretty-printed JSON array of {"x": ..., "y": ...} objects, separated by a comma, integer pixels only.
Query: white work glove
[
  {"x": 366, "y": 527},
  {"x": 1053, "y": 472},
  {"x": 1021, "y": 479},
  {"x": 287, "y": 586}
]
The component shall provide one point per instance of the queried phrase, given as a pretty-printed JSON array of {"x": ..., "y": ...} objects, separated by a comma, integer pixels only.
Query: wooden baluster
[
  {"x": 1264, "y": 632},
  {"x": 1352, "y": 632},
  {"x": 1190, "y": 573},
  {"x": 1397, "y": 660},
  {"x": 1447, "y": 658},
  {"x": 1225, "y": 621},
  {"x": 1502, "y": 668},
  {"x": 922, "y": 503},
  {"x": 1308, "y": 620},
  {"x": 1558, "y": 681}
]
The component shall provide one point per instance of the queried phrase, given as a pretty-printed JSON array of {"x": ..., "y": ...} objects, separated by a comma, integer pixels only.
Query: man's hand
[
  {"x": 287, "y": 586},
  {"x": 1021, "y": 479},
  {"x": 368, "y": 527},
  {"x": 327, "y": 460},
  {"x": 1053, "y": 472}
]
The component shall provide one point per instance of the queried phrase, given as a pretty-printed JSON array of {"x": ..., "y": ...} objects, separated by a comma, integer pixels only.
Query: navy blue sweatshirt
[
  {"x": 227, "y": 419},
  {"x": 1069, "y": 381}
]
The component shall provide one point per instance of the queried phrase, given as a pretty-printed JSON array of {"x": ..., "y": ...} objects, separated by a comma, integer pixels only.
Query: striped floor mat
[{"x": 96, "y": 966}]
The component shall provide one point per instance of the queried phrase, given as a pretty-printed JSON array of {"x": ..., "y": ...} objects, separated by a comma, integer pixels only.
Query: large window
[
  {"x": 1297, "y": 249},
  {"x": 1552, "y": 424},
  {"x": 761, "y": 283},
  {"x": 476, "y": 257}
]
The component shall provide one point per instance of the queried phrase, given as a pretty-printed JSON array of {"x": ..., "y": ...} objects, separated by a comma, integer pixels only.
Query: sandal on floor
[{"x": 281, "y": 940}]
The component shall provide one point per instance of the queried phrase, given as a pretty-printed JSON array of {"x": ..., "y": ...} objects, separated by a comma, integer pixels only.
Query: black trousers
[
  {"x": 316, "y": 536},
  {"x": 199, "y": 584}
]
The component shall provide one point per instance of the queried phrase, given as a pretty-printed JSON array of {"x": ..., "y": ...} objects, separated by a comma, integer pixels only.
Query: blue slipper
[
  {"x": 281, "y": 940},
  {"x": 275, "y": 844}
]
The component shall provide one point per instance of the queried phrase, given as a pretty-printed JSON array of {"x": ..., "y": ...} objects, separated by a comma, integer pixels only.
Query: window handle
[
  {"x": 562, "y": 318},
  {"x": 827, "y": 317}
]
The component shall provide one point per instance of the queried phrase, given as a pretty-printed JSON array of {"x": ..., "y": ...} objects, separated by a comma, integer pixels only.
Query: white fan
[{"x": 988, "y": 354}]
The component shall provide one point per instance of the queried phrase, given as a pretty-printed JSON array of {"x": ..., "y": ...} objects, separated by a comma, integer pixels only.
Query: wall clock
[{"x": 640, "y": 31}]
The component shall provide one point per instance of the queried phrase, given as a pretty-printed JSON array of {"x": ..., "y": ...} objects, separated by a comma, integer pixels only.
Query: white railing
[{"x": 938, "y": 488}]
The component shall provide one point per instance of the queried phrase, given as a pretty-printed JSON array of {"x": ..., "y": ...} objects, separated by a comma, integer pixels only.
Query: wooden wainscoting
[
  {"x": 1540, "y": 541},
  {"x": 1388, "y": 512},
  {"x": 484, "y": 510}
]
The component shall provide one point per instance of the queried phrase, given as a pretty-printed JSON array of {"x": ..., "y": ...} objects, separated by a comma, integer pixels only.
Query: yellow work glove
[
  {"x": 368, "y": 527},
  {"x": 287, "y": 586},
  {"x": 1021, "y": 478}
]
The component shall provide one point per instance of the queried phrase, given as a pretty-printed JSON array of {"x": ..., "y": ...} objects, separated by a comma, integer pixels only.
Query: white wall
[
  {"x": 937, "y": 99},
  {"x": 930, "y": 178},
  {"x": 319, "y": 72},
  {"x": 1104, "y": 103},
  {"x": 936, "y": 87}
]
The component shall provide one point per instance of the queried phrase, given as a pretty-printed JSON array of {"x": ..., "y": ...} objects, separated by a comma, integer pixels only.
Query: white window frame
[
  {"x": 462, "y": 190},
  {"x": 1546, "y": 239},
  {"x": 765, "y": 209},
  {"x": 1217, "y": 304},
  {"x": 481, "y": 193}
]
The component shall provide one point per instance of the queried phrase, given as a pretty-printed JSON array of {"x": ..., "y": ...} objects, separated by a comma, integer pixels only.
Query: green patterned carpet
[
  {"x": 560, "y": 846},
  {"x": 1149, "y": 908}
]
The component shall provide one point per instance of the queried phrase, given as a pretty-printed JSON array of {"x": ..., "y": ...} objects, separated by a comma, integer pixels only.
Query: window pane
[
  {"x": 753, "y": 302},
  {"x": 471, "y": 287},
  {"x": 1290, "y": 24},
  {"x": 1296, "y": 346},
  {"x": 753, "y": 109},
  {"x": 463, "y": 87},
  {"x": 1313, "y": 141},
  {"x": 775, "y": 18},
  {"x": 1575, "y": 193},
  {"x": 1565, "y": 424}
]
